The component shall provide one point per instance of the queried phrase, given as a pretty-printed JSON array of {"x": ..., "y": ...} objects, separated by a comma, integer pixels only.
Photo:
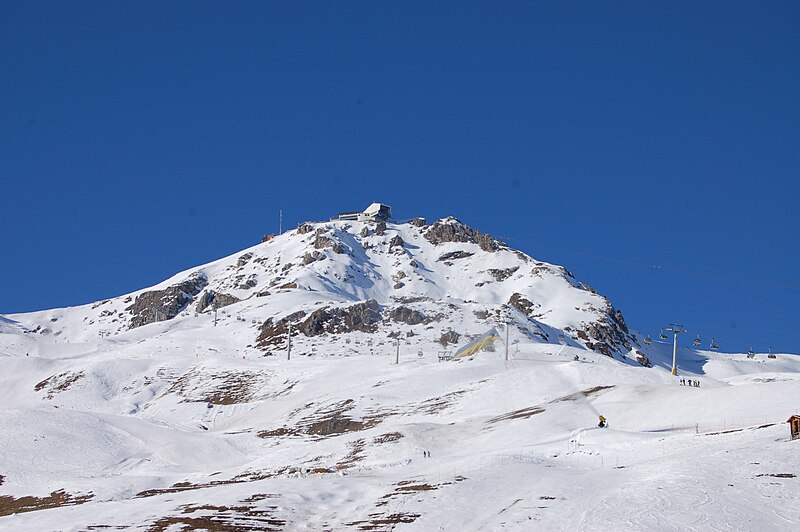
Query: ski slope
[{"x": 184, "y": 424}]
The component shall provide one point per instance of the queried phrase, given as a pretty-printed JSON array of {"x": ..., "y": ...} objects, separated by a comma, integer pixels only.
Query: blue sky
[{"x": 652, "y": 148}]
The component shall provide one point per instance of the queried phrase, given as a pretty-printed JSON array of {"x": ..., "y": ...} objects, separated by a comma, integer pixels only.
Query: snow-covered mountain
[
  {"x": 421, "y": 282},
  {"x": 176, "y": 407}
]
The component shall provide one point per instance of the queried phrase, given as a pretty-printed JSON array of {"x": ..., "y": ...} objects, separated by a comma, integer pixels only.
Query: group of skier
[{"x": 690, "y": 382}]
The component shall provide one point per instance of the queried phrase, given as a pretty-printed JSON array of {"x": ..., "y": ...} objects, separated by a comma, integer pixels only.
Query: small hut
[{"x": 794, "y": 426}]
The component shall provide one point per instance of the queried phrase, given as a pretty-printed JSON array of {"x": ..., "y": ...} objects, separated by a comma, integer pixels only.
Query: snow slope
[{"x": 183, "y": 424}]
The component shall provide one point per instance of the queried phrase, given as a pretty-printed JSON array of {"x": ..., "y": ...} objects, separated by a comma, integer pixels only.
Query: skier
[{"x": 602, "y": 423}]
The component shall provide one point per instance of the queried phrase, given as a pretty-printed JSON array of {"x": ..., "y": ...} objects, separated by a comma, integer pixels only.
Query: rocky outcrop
[
  {"x": 305, "y": 228},
  {"x": 314, "y": 256},
  {"x": 161, "y": 305},
  {"x": 453, "y": 255},
  {"x": 210, "y": 297},
  {"x": 502, "y": 275},
  {"x": 244, "y": 259},
  {"x": 406, "y": 315},
  {"x": 274, "y": 332},
  {"x": 380, "y": 228},
  {"x": 363, "y": 317},
  {"x": 452, "y": 230},
  {"x": 523, "y": 304},
  {"x": 396, "y": 242},
  {"x": 417, "y": 222},
  {"x": 323, "y": 241},
  {"x": 608, "y": 334}
]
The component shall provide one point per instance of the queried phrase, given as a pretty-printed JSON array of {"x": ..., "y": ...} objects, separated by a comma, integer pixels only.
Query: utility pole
[
  {"x": 289, "y": 343},
  {"x": 397, "y": 358},
  {"x": 508, "y": 326},
  {"x": 280, "y": 222},
  {"x": 215, "y": 314},
  {"x": 675, "y": 329}
]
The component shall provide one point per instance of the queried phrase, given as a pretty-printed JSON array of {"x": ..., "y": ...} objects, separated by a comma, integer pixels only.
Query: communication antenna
[{"x": 280, "y": 222}]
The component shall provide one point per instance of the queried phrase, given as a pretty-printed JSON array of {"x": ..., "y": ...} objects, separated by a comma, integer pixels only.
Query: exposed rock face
[
  {"x": 502, "y": 275},
  {"x": 160, "y": 305},
  {"x": 362, "y": 317},
  {"x": 305, "y": 228},
  {"x": 406, "y": 315},
  {"x": 323, "y": 241},
  {"x": 246, "y": 282},
  {"x": 380, "y": 228},
  {"x": 210, "y": 297},
  {"x": 521, "y": 303},
  {"x": 418, "y": 222},
  {"x": 315, "y": 255},
  {"x": 244, "y": 259},
  {"x": 365, "y": 232},
  {"x": 396, "y": 242},
  {"x": 273, "y": 332},
  {"x": 452, "y": 230},
  {"x": 453, "y": 255},
  {"x": 610, "y": 333}
]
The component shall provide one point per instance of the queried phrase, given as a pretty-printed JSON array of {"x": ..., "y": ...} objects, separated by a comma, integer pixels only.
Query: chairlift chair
[
  {"x": 562, "y": 339},
  {"x": 648, "y": 340},
  {"x": 697, "y": 341},
  {"x": 663, "y": 335},
  {"x": 713, "y": 345}
]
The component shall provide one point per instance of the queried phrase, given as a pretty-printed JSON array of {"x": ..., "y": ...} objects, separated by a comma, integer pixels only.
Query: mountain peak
[{"x": 349, "y": 276}]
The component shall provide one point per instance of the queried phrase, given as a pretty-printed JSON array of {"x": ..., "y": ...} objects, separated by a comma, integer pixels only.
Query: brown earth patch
[
  {"x": 522, "y": 413},
  {"x": 330, "y": 420},
  {"x": 384, "y": 522},
  {"x": 11, "y": 505},
  {"x": 222, "y": 519},
  {"x": 224, "y": 388},
  {"x": 356, "y": 453},
  {"x": 383, "y": 438},
  {"x": 588, "y": 392},
  {"x": 58, "y": 383},
  {"x": 436, "y": 405}
]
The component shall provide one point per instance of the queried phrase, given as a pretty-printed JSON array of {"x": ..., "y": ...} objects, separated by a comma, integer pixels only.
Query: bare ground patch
[
  {"x": 436, "y": 405},
  {"x": 11, "y": 505},
  {"x": 246, "y": 517},
  {"x": 228, "y": 387},
  {"x": 58, "y": 383},
  {"x": 522, "y": 413},
  {"x": 403, "y": 490},
  {"x": 330, "y": 420}
]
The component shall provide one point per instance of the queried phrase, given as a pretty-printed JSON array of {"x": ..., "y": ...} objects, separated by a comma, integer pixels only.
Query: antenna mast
[{"x": 280, "y": 222}]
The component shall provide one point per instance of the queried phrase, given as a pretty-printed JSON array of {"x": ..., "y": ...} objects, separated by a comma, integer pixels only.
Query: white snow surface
[{"x": 182, "y": 424}]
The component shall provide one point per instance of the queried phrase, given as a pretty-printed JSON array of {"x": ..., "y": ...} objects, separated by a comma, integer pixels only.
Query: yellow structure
[{"x": 482, "y": 343}]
